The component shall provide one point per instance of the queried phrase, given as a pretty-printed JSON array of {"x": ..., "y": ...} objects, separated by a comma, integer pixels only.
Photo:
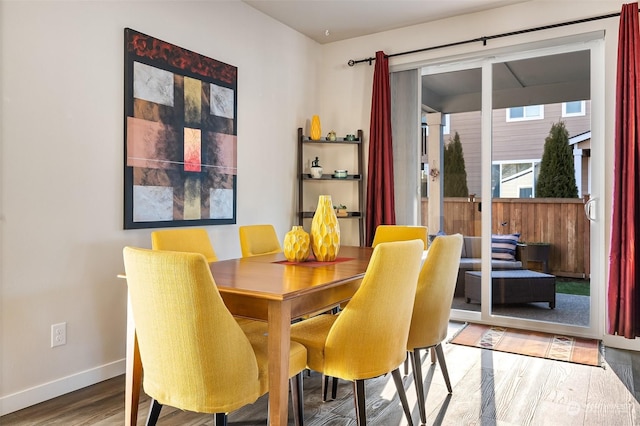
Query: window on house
[
  {"x": 514, "y": 179},
  {"x": 526, "y": 192},
  {"x": 531, "y": 112},
  {"x": 573, "y": 109}
]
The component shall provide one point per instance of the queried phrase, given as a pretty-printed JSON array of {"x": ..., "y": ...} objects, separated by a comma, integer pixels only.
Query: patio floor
[{"x": 570, "y": 309}]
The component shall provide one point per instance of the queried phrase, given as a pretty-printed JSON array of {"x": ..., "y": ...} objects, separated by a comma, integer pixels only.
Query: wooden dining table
[{"x": 271, "y": 289}]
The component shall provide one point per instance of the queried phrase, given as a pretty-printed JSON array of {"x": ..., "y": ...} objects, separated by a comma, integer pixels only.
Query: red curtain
[
  {"x": 623, "y": 297},
  {"x": 380, "y": 198}
]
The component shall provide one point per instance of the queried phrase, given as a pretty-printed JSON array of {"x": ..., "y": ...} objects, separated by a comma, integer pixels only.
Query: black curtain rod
[{"x": 485, "y": 38}]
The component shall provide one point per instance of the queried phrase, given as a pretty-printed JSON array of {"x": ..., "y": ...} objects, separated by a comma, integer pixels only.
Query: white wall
[{"x": 62, "y": 167}]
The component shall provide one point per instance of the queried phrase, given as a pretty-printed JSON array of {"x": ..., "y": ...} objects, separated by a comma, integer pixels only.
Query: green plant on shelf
[{"x": 341, "y": 210}]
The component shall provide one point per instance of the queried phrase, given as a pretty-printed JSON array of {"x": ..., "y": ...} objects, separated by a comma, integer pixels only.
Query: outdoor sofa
[{"x": 505, "y": 255}]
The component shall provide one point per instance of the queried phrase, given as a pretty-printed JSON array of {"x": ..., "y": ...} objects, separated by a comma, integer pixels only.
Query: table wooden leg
[
  {"x": 279, "y": 346},
  {"x": 133, "y": 375}
]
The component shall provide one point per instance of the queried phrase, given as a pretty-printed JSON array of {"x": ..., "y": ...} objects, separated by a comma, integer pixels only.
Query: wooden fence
[{"x": 558, "y": 221}]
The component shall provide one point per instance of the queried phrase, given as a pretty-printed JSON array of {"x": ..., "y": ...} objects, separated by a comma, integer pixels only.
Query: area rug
[{"x": 530, "y": 343}]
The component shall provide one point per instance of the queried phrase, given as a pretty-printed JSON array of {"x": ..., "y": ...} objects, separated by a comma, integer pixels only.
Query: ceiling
[
  {"x": 550, "y": 79},
  {"x": 327, "y": 21},
  {"x": 542, "y": 80}
]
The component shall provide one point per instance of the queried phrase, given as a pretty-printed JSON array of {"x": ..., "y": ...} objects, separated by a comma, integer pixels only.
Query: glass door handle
[{"x": 589, "y": 211}]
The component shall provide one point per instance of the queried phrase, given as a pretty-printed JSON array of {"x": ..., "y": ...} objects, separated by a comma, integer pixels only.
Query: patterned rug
[{"x": 531, "y": 343}]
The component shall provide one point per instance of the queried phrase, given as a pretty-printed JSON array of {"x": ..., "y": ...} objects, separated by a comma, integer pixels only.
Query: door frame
[{"x": 594, "y": 42}]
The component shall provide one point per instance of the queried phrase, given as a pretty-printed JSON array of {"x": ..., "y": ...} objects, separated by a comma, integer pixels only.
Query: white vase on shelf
[{"x": 316, "y": 169}]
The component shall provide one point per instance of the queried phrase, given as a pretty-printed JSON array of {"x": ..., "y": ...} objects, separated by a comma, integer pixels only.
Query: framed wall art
[{"x": 180, "y": 136}]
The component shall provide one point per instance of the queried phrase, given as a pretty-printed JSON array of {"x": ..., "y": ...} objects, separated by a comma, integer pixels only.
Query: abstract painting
[{"x": 180, "y": 136}]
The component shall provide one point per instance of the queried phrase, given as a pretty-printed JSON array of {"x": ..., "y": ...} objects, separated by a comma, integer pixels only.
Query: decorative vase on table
[
  {"x": 315, "y": 131},
  {"x": 296, "y": 245},
  {"x": 325, "y": 231}
]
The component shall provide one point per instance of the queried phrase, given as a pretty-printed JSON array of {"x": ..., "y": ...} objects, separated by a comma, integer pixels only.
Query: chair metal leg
[
  {"x": 397, "y": 378},
  {"x": 334, "y": 388},
  {"x": 220, "y": 419},
  {"x": 406, "y": 365},
  {"x": 433, "y": 355},
  {"x": 154, "y": 413},
  {"x": 443, "y": 366},
  {"x": 416, "y": 364},
  {"x": 297, "y": 399},
  {"x": 325, "y": 387},
  {"x": 358, "y": 395}
]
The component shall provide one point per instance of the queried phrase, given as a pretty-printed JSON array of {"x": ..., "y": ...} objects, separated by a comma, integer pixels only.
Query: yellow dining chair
[
  {"x": 386, "y": 233},
  {"x": 192, "y": 240},
  {"x": 368, "y": 338},
  {"x": 194, "y": 355},
  {"x": 196, "y": 240},
  {"x": 431, "y": 309},
  {"x": 258, "y": 239}
]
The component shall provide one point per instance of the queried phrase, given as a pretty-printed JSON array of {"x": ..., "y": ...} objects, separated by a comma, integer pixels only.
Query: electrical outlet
[{"x": 58, "y": 334}]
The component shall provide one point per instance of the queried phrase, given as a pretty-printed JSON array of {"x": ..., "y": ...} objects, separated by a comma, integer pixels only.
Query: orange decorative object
[
  {"x": 325, "y": 231},
  {"x": 296, "y": 245},
  {"x": 315, "y": 131}
]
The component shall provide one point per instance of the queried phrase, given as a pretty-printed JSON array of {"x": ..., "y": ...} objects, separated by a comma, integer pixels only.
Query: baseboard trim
[
  {"x": 620, "y": 342},
  {"x": 46, "y": 391}
]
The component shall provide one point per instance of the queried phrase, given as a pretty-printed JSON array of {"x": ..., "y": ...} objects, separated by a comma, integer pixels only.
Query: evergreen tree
[
  {"x": 557, "y": 177},
  {"x": 455, "y": 174}
]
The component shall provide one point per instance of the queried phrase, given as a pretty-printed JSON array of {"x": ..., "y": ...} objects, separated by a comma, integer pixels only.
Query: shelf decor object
[
  {"x": 312, "y": 182},
  {"x": 296, "y": 245},
  {"x": 316, "y": 169},
  {"x": 341, "y": 211},
  {"x": 325, "y": 231},
  {"x": 315, "y": 130},
  {"x": 340, "y": 174}
]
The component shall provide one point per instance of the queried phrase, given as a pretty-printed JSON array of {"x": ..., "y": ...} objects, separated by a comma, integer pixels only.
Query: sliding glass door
[
  {"x": 452, "y": 167},
  {"x": 540, "y": 177},
  {"x": 512, "y": 172}
]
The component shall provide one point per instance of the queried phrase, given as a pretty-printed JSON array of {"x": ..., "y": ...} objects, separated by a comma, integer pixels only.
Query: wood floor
[{"x": 489, "y": 388}]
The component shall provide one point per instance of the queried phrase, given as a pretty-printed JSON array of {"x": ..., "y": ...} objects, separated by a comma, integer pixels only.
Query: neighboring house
[
  {"x": 518, "y": 144},
  {"x": 581, "y": 144}
]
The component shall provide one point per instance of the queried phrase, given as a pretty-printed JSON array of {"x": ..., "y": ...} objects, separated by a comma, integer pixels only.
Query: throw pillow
[{"x": 503, "y": 247}]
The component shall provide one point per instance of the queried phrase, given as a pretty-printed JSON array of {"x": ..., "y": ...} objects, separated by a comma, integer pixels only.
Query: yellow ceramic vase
[
  {"x": 315, "y": 132},
  {"x": 325, "y": 231},
  {"x": 296, "y": 245}
]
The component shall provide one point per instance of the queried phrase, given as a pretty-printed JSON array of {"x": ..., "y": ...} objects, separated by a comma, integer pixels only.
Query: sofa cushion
[
  {"x": 475, "y": 264},
  {"x": 505, "y": 264},
  {"x": 503, "y": 247},
  {"x": 472, "y": 247},
  {"x": 470, "y": 263}
]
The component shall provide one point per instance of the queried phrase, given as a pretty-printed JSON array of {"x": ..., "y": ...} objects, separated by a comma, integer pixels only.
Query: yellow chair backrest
[
  {"x": 258, "y": 239},
  {"x": 369, "y": 336},
  {"x": 436, "y": 284},
  {"x": 192, "y": 240},
  {"x": 386, "y": 233},
  {"x": 194, "y": 354}
]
